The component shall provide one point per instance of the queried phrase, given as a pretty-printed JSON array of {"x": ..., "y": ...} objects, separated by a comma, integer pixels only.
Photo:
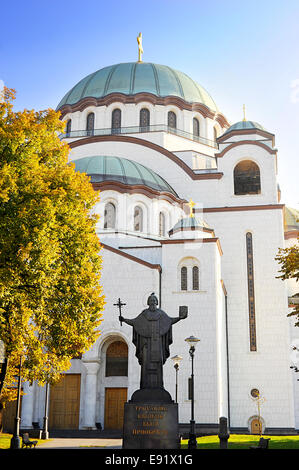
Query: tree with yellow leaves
[
  {"x": 288, "y": 258},
  {"x": 50, "y": 294}
]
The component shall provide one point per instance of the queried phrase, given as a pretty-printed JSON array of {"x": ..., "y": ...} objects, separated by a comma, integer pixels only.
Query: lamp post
[
  {"x": 3, "y": 364},
  {"x": 45, "y": 433},
  {"x": 176, "y": 360},
  {"x": 192, "y": 443},
  {"x": 15, "y": 442}
]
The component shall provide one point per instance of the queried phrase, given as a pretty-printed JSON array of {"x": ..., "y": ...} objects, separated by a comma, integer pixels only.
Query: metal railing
[{"x": 138, "y": 130}]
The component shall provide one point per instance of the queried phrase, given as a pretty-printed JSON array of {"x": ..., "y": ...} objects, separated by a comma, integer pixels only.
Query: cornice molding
[
  {"x": 241, "y": 208},
  {"x": 148, "y": 144},
  {"x": 193, "y": 240},
  {"x": 131, "y": 257},
  {"x": 185, "y": 229},
  {"x": 232, "y": 133},
  {"x": 291, "y": 234},
  {"x": 246, "y": 142},
  {"x": 137, "y": 189}
]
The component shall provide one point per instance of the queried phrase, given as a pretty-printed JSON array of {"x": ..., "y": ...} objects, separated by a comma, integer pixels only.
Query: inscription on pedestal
[{"x": 150, "y": 426}]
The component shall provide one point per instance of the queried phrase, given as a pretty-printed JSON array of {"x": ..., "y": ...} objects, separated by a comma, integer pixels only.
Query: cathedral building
[{"x": 190, "y": 210}]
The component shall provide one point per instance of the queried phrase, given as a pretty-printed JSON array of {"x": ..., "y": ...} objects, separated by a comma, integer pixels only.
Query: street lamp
[
  {"x": 176, "y": 360},
  {"x": 192, "y": 443},
  {"x": 15, "y": 442},
  {"x": 45, "y": 432},
  {"x": 3, "y": 364}
]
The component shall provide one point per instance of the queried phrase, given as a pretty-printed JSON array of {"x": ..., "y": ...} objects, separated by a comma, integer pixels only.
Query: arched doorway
[
  {"x": 256, "y": 426},
  {"x": 116, "y": 373}
]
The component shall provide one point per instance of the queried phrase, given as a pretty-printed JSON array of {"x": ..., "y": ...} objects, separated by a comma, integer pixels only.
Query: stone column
[
  {"x": 90, "y": 395},
  {"x": 27, "y": 406}
]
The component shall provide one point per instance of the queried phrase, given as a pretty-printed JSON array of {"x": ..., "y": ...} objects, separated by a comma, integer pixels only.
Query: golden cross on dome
[
  {"x": 140, "y": 48},
  {"x": 191, "y": 204},
  {"x": 244, "y": 116}
]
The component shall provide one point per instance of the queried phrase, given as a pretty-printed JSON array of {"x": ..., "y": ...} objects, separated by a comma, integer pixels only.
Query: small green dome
[
  {"x": 138, "y": 77},
  {"x": 243, "y": 125},
  {"x": 109, "y": 168},
  {"x": 291, "y": 218},
  {"x": 191, "y": 223}
]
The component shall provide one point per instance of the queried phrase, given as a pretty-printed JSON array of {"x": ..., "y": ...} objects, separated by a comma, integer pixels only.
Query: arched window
[
  {"x": 196, "y": 127},
  {"x": 195, "y": 278},
  {"x": 144, "y": 119},
  {"x": 117, "y": 359},
  {"x": 188, "y": 274},
  {"x": 247, "y": 178},
  {"x": 68, "y": 128},
  {"x": 251, "y": 291},
  {"x": 172, "y": 120},
  {"x": 109, "y": 215},
  {"x": 90, "y": 123},
  {"x": 116, "y": 121},
  {"x": 138, "y": 219},
  {"x": 184, "y": 279},
  {"x": 162, "y": 225}
]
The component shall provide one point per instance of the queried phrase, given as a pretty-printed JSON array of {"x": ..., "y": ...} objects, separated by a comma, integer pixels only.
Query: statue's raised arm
[{"x": 183, "y": 313}]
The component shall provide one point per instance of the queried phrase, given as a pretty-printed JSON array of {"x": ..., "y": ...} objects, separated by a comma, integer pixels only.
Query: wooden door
[
  {"x": 256, "y": 426},
  {"x": 65, "y": 403},
  {"x": 115, "y": 399}
]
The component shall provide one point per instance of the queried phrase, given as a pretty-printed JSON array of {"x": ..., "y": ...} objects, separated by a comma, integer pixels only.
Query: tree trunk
[{"x": 3, "y": 374}]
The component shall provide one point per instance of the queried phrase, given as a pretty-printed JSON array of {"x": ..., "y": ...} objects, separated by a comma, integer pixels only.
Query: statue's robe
[{"x": 152, "y": 336}]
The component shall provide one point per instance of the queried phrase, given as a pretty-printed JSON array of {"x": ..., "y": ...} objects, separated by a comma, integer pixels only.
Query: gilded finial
[
  {"x": 191, "y": 204},
  {"x": 244, "y": 116},
  {"x": 140, "y": 48}
]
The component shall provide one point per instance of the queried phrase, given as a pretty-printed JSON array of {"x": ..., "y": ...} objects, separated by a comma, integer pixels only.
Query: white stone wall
[
  {"x": 267, "y": 164},
  {"x": 268, "y": 368},
  {"x": 125, "y": 205},
  {"x": 201, "y": 322}
]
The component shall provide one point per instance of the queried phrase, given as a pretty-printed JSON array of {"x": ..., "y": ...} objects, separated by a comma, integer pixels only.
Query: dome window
[
  {"x": 172, "y": 120},
  {"x": 144, "y": 119},
  {"x": 247, "y": 178},
  {"x": 90, "y": 123},
  {"x": 116, "y": 121},
  {"x": 162, "y": 228},
  {"x": 68, "y": 128},
  {"x": 196, "y": 127},
  {"x": 109, "y": 215},
  {"x": 138, "y": 219}
]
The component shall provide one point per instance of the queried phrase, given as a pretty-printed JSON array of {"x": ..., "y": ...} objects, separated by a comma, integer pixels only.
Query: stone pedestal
[{"x": 151, "y": 424}]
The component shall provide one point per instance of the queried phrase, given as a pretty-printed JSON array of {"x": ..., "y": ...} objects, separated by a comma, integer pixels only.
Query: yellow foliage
[{"x": 50, "y": 294}]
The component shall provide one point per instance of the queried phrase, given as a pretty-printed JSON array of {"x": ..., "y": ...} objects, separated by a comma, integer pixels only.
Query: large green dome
[
  {"x": 138, "y": 77},
  {"x": 102, "y": 168}
]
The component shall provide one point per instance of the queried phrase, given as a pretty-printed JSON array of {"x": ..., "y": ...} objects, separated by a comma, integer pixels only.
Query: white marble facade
[{"x": 138, "y": 262}]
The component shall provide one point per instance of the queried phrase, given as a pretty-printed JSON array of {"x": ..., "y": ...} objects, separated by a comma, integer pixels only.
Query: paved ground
[{"x": 80, "y": 443}]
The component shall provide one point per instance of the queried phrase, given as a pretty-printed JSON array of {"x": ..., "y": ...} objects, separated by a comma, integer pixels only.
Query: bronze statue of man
[{"x": 152, "y": 336}]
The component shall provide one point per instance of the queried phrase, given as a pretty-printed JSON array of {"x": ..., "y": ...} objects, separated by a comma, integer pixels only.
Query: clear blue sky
[{"x": 241, "y": 52}]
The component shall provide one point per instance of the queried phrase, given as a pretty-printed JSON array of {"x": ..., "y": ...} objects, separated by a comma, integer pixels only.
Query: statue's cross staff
[{"x": 119, "y": 304}]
